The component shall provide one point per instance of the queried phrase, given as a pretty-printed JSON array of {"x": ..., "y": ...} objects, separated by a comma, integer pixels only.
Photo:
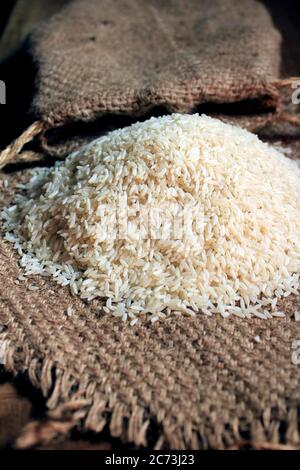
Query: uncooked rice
[{"x": 243, "y": 256}]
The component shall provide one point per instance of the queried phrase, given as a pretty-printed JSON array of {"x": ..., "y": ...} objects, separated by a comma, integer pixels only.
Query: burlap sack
[
  {"x": 195, "y": 383},
  {"x": 101, "y": 64},
  {"x": 202, "y": 382}
]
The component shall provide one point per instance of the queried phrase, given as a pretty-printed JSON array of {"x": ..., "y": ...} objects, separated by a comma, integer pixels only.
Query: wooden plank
[{"x": 14, "y": 414}]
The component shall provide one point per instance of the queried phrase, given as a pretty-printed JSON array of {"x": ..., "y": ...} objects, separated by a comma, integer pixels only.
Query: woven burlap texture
[
  {"x": 127, "y": 57},
  {"x": 185, "y": 383}
]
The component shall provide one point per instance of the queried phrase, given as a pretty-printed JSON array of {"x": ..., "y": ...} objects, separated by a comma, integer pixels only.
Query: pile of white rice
[{"x": 241, "y": 197}]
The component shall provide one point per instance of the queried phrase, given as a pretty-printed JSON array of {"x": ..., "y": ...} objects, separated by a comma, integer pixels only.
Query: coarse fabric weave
[
  {"x": 185, "y": 383},
  {"x": 103, "y": 58}
]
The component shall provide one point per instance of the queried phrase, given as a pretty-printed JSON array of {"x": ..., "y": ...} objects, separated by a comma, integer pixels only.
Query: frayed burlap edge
[
  {"x": 76, "y": 405},
  {"x": 82, "y": 408}
]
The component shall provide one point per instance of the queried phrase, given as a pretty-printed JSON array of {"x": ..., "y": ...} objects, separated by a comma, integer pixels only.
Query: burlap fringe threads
[
  {"x": 81, "y": 405},
  {"x": 12, "y": 153},
  {"x": 77, "y": 405}
]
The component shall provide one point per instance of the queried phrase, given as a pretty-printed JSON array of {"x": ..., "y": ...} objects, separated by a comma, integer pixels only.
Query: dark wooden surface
[{"x": 15, "y": 412}]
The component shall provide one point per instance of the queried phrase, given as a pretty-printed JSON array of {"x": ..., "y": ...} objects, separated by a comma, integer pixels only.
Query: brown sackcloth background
[
  {"x": 102, "y": 63},
  {"x": 184, "y": 383}
]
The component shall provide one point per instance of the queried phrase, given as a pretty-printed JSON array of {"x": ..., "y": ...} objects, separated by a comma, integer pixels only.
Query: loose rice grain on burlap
[
  {"x": 103, "y": 58},
  {"x": 184, "y": 383}
]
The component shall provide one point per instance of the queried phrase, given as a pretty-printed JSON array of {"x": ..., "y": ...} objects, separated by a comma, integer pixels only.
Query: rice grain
[{"x": 233, "y": 200}]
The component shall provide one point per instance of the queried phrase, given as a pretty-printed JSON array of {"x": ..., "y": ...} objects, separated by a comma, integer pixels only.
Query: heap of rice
[{"x": 242, "y": 251}]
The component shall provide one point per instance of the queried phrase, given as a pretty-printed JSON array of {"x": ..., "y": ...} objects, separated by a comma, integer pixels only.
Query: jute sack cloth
[
  {"x": 101, "y": 64},
  {"x": 184, "y": 383}
]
